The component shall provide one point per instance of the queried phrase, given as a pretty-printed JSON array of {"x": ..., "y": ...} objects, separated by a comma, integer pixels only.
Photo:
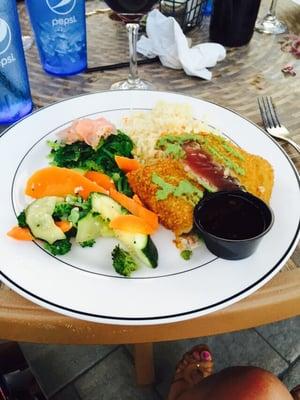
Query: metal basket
[{"x": 188, "y": 13}]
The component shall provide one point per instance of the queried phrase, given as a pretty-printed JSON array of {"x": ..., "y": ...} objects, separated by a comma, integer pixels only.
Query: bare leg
[{"x": 238, "y": 383}]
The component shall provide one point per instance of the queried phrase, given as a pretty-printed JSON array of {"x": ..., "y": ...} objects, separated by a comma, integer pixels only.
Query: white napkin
[{"x": 166, "y": 40}]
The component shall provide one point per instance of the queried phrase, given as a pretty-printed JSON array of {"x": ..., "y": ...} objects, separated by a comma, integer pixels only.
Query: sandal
[
  {"x": 296, "y": 393},
  {"x": 195, "y": 365}
]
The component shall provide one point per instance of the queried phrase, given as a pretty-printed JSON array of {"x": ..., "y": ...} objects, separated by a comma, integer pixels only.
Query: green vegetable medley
[
  {"x": 59, "y": 222},
  {"x": 86, "y": 221},
  {"x": 72, "y": 209},
  {"x": 80, "y": 155}
]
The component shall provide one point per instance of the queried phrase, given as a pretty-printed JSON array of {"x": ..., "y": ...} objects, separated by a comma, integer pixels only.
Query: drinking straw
[{"x": 119, "y": 65}]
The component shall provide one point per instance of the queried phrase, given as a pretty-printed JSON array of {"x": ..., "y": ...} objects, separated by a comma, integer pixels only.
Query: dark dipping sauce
[
  {"x": 232, "y": 223},
  {"x": 232, "y": 217}
]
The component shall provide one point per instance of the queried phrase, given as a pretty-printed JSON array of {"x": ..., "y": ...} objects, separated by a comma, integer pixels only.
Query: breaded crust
[
  {"x": 258, "y": 175},
  {"x": 175, "y": 213},
  {"x": 259, "y": 178}
]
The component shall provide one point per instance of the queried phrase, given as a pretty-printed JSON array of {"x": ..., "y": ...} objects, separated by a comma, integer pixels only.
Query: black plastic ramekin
[{"x": 209, "y": 213}]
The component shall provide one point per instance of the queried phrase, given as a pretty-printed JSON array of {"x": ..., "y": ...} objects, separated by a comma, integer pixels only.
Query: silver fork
[{"x": 271, "y": 122}]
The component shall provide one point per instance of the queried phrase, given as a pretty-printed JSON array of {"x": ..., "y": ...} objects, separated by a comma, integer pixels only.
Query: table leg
[
  {"x": 11, "y": 358},
  {"x": 144, "y": 363}
]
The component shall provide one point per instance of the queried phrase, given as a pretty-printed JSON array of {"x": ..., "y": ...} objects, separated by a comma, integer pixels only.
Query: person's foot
[{"x": 195, "y": 365}]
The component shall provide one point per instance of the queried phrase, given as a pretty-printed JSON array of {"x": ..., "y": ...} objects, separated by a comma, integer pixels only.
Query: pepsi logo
[
  {"x": 61, "y": 7},
  {"x": 5, "y": 36}
]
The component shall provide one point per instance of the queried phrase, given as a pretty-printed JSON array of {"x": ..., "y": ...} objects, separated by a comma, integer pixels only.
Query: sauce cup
[{"x": 232, "y": 223}]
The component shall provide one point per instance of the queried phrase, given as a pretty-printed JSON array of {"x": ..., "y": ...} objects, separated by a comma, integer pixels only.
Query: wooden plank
[{"x": 21, "y": 320}]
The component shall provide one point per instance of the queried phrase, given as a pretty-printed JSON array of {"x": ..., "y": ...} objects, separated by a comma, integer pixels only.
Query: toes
[{"x": 205, "y": 355}]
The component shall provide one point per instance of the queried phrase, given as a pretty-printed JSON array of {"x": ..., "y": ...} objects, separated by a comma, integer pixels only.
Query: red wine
[
  {"x": 232, "y": 21},
  {"x": 131, "y": 6}
]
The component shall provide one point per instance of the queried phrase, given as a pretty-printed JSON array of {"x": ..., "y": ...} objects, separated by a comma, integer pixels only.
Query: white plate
[{"x": 83, "y": 284}]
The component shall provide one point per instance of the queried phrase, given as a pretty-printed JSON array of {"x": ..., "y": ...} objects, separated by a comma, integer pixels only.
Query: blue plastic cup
[
  {"x": 15, "y": 97},
  {"x": 60, "y": 33}
]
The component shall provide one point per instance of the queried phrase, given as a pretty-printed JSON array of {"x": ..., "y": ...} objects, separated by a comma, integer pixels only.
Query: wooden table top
[{"x": 245, "y": 74}]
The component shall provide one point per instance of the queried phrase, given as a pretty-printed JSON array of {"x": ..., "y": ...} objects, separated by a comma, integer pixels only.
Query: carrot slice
[
  {"x": 101, "y": 179},
  {"x": 56, "y": 181},
  {"x": 135, "y": 208},
  {"x": 19, "y": 233},
  {"x": 65, "y": 226},
  {"x": 127, "y": 164},
  {"x": 131, "y": 223},
  {"x": 137, "y": 199}
]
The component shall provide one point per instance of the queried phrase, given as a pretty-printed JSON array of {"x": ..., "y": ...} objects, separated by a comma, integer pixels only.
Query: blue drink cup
[
  {"x": 15, "y": 98},
  {"x": 60, "y": 33}
]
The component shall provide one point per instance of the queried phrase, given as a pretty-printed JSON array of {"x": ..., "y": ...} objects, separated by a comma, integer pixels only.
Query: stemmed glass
[
  {"x": 27, "y": 42},
  {"x": 270, "y": 23},
  {"x": 131, "y": 12}
]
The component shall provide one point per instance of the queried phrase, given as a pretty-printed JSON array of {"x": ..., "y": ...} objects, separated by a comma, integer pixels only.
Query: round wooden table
[{"x": 245, "y": 74}]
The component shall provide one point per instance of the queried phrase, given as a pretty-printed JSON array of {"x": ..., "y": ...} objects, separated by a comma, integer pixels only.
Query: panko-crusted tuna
[
  {"x": 218, "y": 164},
  {"x": 174, "y": 212}
]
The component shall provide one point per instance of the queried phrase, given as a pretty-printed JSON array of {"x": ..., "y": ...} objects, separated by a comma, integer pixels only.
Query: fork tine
[
  {"x": 262, "y": 113},
  {"x": 268, "y": 111},
  {"x": 277, "y": 122},
  {"x": 271, "y": 109}
]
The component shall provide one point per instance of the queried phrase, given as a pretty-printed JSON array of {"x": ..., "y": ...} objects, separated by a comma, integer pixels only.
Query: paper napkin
[{"x": 166, "y": 40}]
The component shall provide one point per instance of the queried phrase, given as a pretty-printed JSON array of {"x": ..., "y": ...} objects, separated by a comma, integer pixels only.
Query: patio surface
[{"x": 98, "y": 372}]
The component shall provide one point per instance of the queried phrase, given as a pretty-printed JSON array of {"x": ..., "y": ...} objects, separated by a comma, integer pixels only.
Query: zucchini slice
[
  {"x": 106, "y": 206},
  {"x": 39, "y": 219},
  {"x": 141, "y": 246},
  {"x": 91, "y": 227}
]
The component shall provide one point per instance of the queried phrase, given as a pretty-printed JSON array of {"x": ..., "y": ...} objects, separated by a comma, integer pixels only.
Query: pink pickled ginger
[{"x": 87, "y": 130}]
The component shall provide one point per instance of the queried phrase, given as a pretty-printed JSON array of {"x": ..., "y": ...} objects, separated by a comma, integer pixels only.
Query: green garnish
[
  {"x": 186, "y": 254},
  {"x": 172, "y": 144},
  {"x": 174, "y": 150},
  {"x": 165, "y": 188},
  {"x": 229, "y": 163},
  {"x": 180, "y": 139},
  {"x": 232, "y": 151},
  {"x": 187, "y": 189},
  {"x": 184, "y": 188}
]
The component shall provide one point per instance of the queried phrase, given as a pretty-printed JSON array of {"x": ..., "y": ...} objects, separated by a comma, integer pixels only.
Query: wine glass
[
  {"x": 270, "y": 23},
  {"x": 27, "y": 42},
  {"x": 131, "y": 12}
]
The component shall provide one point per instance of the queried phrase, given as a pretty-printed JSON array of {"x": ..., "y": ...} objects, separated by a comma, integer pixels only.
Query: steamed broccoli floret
[
  {"x": 62, "y": 211},
  {"x": 72, "y": 209},
  {"x": 59, "y": 248},
  {"x": 123, "y": 262},
  {"x": 88, "y": 243},
  {"x": 22, "y": 220}
]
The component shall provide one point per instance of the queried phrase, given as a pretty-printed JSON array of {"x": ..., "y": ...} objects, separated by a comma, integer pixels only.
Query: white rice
[{"x": 146, "y": 127}]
